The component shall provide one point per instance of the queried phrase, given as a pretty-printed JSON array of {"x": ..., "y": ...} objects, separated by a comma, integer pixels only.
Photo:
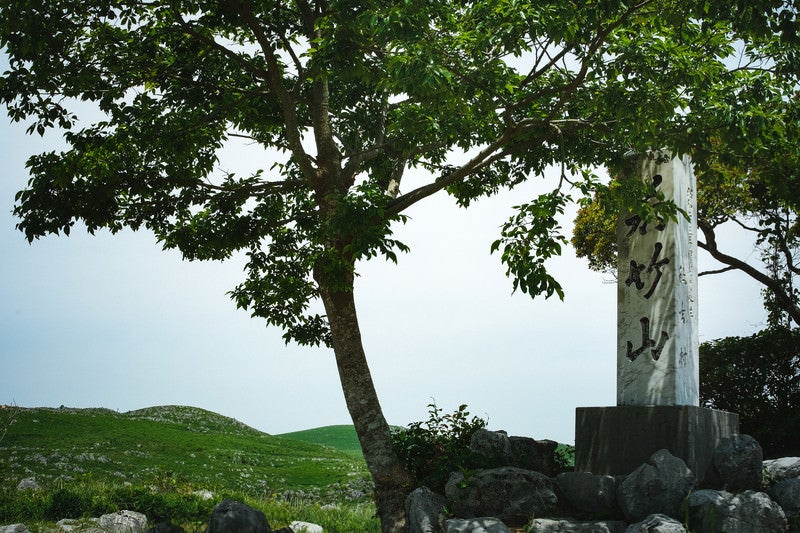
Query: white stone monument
[
  {"x": 657, "y": 350},
  {"x": 657, "y": 347}
]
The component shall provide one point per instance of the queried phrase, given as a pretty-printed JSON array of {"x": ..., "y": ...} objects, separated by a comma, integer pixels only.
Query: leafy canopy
[{"x": 346, "y": 97}]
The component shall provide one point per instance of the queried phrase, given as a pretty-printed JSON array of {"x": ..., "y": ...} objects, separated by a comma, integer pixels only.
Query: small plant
[
  {"x": 435, "y": 448},
  {"x": 564, "y": 457},
  {"x": 8, "y": 414}
]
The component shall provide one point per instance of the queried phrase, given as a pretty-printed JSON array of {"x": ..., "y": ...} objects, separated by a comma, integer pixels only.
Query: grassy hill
[
  {"x": 175, "y": 463},
  {"x": 150, "y": 445},
  {"x": 342, "y": 438}
]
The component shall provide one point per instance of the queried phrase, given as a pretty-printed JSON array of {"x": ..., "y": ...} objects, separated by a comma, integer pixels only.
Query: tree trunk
[{"x": 392, "y": 481}]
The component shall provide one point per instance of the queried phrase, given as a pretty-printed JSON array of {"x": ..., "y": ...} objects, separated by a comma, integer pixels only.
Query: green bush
[
  {"x": 757, "y": 377},
  {"x": 68, "y": 503},
  {"x": 434, "y": 449}
]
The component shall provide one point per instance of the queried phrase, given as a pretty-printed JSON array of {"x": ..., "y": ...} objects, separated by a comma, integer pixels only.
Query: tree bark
[{"x": 392, "y": 481}]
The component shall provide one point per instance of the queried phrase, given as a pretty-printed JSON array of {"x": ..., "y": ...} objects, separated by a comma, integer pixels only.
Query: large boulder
[
  {"x": 532, "y": 454},
  {"x": 736, "y": 465},
  {"x": 588, "y": 495},
  {"x": 425, "y": 511},
  {"x": 657, "y": 523},
  {"x": 786, "y": 493},
  {"x": 776, "y": 470},
  {"x": 476, "y": 525},
  {"x": 231, "y": 516},
  {"x": 657, "y": 487},
  {"x": 493, "y": 449},
  {"x": 510, "y": 494},
  {"x": 123, "y": 522},
  {"x": 562, "y": 525},
  {"x": 712, "y": 511}
]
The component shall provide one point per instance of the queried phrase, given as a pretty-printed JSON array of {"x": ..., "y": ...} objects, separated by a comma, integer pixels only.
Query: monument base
[{"x": 617, "y": 440}]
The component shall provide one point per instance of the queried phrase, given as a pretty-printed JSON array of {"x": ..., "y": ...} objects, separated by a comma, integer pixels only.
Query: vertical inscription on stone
[{"x": 657, "y": 347}]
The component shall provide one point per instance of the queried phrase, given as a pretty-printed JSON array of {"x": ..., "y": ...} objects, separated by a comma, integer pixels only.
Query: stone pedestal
[{"x": 616, "y": 440}]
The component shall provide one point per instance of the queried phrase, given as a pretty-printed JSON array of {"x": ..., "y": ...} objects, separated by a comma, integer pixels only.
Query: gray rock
[
  {"x": 492, "y": 447},
  {"x": 231, "y": 516},
  {"x": 657, "y": 487},
  {"x": 588, "y": 495},
  {"x": 425, "y": 511},
  {"x": 305, "y": 527},
  {"x": 736, "y": 465},
  {"x": 712, "y": 511},
  {"x": 123, "y": 522},
  {"x": 28, "y": 483},
  {"x": 786, "y": 493},
  {"x": 476, "y": 525},
  {"x": 15, "y": 528},
  {"x": 511, "y": 494},
  {"x": 777, "y": 470},
  {"x": 546, "y": 525},
  {"x": 532, "y": 454},
  {"x": 82, "y": 525},
  {"x": 657, "y": 523}
]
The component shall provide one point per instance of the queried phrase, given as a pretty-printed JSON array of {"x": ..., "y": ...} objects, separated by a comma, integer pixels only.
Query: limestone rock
[
  {"x": 476, "y": 525},
  {"x": 786, "y": 493},
  {"x": 28, "y": 483},
  {"x": 511, "y": 494},
  {"x": 657, "y": 487},
  {"x": 15, "y": 528},
  {"x": 123, "y": 522},
  {"x": 736, "y": 464},
  {"x": 305, "y": 527},
  {"x": 777, "y": 470},
  {"x": 546, "y": 525},
  {"x": 231, "y": 516},
  {"x": 492, "y": 447},
  {"x": 712, "y": 511},
  {"x": 588, "y": 495},
  {"x": 532, "y": 454},
  {"x": 425, "y": 511},
  {"x": 83, "y": 525},
  {"x": 657, "y": 523}
]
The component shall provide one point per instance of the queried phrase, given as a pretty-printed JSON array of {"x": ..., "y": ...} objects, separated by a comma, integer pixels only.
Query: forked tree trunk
[{"x": 392, "y": 481}]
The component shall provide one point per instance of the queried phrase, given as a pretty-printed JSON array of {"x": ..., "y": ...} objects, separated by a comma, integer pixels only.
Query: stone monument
[{"x": 657, "y": 345}]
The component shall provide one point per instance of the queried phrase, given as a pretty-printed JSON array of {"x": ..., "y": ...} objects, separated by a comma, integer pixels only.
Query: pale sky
[{"x": 114, "y": 321}]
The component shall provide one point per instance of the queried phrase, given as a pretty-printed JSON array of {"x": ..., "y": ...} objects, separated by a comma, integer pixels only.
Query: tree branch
[
  {"x": 275, "y": 80},
  {"x": 783, "y": 299}
]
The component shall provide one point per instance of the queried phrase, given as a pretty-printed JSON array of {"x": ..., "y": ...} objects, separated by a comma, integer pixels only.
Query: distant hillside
[
  {"x": 342, "y": 438},
  {"x": 157, "y": 444}
]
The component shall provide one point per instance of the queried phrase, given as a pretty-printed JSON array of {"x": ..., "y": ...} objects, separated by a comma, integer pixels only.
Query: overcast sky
[{"x": 114, "y": 321}]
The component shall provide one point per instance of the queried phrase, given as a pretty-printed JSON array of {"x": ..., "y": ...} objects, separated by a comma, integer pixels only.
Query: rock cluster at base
[{"x": 740, "y": 493}]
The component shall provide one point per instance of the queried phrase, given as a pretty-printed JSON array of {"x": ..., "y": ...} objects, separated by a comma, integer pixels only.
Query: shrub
[
  {"x": 434, "y": 449},
  {"x": 68, "y": 503},
  {"x": 759, "y": 378}
]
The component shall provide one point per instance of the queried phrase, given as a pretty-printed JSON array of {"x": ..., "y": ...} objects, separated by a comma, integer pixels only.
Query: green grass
[
  {"x": 160, "y": 460},
  {"x": 342, "y": 438}
]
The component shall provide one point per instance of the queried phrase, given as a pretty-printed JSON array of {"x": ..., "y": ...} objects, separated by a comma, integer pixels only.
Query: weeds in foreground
[{"x": 177, "y": 505}]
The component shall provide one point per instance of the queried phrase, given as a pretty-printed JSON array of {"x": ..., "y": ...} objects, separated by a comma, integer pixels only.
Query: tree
[
  {"x": 348, "y": 97},
  {"x": 756, "y": 195},
  {"x": 759, "y": 378}
]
